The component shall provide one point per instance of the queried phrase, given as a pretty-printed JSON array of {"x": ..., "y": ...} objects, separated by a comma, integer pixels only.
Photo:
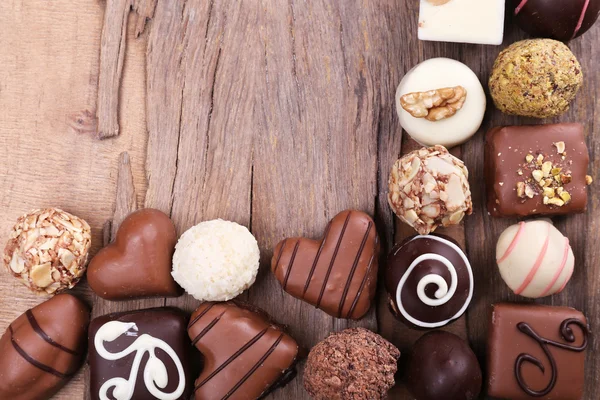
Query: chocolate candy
[
  {"x": 534, "y": 258},
  {"x": 536, "y": 351},
  {"x": 138, "y": 263},
  {"x": 338, "y": 273},
  {"x": 443, "y": 366},
  {"x": 43, "y": 348},
  {"x": 246, "y": 356},
  {"x": 536, "y": 170},
  {"x": 429, "y": 281},
  {"x": 561, "y": 20},
  {"x": 140, "y": 355}
]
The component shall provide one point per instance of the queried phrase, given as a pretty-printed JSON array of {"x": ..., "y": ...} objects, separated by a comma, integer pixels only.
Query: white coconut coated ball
[{"x": 216, "y": 260}]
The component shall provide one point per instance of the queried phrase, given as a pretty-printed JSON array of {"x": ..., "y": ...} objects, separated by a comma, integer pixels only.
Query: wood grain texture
[{"x": 274, "y": 114}]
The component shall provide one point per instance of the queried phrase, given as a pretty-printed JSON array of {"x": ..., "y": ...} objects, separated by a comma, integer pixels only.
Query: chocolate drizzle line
[
  {"x": 207, "y": 328},
  {"x": 290, "y": 265},
  {"x": 254, "y": 368},
  {"x": 33, "y": 361},
  {"x": 567, "y": 333},
  {"x": 199, "y": 316},
  {"x": 362, "y": 287},
  {"x": 232, "y": 358},
  {"x": 312, "y": 269},
  {"x": 353, "y": 270},
  {"x": 38, "y": 329},
  {"x": 337, "y": 248},
  {"x": 279, "y": 255}
]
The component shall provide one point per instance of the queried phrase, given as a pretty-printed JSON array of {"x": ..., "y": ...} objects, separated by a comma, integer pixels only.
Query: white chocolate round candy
[
  {"x": 534, "y": 258},
  {"x": 440, "y": 73}
]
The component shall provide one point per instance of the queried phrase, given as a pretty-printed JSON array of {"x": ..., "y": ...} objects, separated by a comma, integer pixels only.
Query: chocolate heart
[
  {"x": 246, "y": 356},
  {"x": 43, "y": 348},
  {"x": 338, "y": 273},
  {"x": 138, "y": 263}
]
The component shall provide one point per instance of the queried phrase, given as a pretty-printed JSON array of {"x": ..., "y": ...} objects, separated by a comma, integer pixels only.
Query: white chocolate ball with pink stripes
[{"x": 534, "y": 258}]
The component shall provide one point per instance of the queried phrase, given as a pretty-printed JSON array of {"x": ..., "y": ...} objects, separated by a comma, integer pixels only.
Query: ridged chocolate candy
[
  {"x": 43, "y": 348},
  {"x": 338, "y": 273},
  {"x": 246, "y": 356}
]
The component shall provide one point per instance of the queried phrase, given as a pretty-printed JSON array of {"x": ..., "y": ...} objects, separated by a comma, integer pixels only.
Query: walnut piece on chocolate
[
  {"x": 434, "y": 105},
  {"x": 48, "y": 250},
  {"x": 428, "y": 188}
]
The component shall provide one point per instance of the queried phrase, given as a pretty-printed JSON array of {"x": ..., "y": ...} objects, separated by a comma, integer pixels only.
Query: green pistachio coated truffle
[{"x": 535, "y": 78}]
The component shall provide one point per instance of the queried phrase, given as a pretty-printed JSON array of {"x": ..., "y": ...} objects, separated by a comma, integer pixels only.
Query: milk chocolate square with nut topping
[
  {"x": 536, "y": 352},
  {"x": 536, "y": 170}
]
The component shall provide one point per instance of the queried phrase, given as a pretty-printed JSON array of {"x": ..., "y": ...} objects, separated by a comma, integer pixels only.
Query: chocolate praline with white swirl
[
  {"x": 140, "y": 355},
  {"x": 429, "y": 281}
]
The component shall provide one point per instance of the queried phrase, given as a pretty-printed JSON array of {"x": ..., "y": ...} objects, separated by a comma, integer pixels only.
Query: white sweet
[
  {"x": 534, "y": 258},
  {"x": 216, "y": 260},
  {"x": 439, "y": 73},
  {"x": 463, "y": 21},
  {"x": 155, "y": 371}
]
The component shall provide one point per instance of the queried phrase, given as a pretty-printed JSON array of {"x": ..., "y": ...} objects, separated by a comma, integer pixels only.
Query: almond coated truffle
[
  {"x": 535, "y": 78},
  {"x": 350, "y": 365}
]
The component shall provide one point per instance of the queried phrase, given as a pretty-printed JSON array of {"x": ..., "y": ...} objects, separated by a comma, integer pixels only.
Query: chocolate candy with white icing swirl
[
  {"x": 140, "y": 355},
  {"x": 429, "y": 281}
]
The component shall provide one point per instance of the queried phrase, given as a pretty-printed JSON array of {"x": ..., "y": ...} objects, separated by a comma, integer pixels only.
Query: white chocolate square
[{"x": 463, "y": 21}]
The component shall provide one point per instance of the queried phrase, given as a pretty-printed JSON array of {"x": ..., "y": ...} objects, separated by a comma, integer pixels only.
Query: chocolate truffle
[
  {"x": 48, "y": 250},
  {"x": 43, "y": 348},
  {"x": 535, "y": 78},
  {"x": 481, "y": 22},
  {"x": 560, "y": 20},
  {"x": 536, "y": 170},
  {"x": 353, "y": 364},
  {"x": 534, "y": 258},
  {"x": 246, "y": 355},
  {"x": 138, "y": 263},
  {"x": 216, "y": 260},
  {"x": 443, "y": 366},
  {"x": 428, "y": 188},
  {"x": 139, "y": 355},
  {"x": 338, "y": 273},
  {"x": 445, "y": 109},
  {"x": 536, "y": 352},
  {"x": 429, "y": 281}
]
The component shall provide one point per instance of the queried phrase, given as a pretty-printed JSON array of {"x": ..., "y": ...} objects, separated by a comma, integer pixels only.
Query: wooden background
[{"x": 275, "y": 114}]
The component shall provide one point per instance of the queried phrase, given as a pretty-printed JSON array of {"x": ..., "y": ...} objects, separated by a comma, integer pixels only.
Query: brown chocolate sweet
[
  {"x": 338, "y": 273},
  {"x": 246, "y": 356},
  {"x": 138, "y": 263},
  {"x": 43, "y": 348},
  {"x": 536, "y": 170},
  {"x": 536, "y": 351},
  {"x": 125, "y": 348}
]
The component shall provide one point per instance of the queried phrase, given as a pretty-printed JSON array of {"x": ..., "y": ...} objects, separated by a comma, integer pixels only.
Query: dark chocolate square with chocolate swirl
[
  {"x": 536, "y": 351},
  {"x": 140, "y": 355}
]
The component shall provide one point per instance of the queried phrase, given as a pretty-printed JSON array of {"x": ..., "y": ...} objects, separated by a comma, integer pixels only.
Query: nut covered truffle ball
[
  {"x": 428, "y": 188},
  {"x": 535, "y": 78},
  {"x": 216, "y": 260},
  {"x": 48, "y": 250},
  {"x": 353, "y": 364}
]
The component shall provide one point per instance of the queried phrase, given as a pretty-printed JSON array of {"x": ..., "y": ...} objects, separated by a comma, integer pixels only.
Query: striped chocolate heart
[{"x": 338, "y": 273}]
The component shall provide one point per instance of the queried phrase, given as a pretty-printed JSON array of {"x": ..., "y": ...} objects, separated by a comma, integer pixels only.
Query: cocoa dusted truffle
[
  {"x": 429, "y": 187},
  {"x": 353, "y": 364},
  {"x": 535, "y": 78},
  {"x": 48, "y": 250},
  {"x": 443, "y": 366}
]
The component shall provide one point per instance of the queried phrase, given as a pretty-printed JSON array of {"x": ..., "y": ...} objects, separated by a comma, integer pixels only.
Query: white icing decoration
[
  {"x": 443, "y": 294},
  {"x": 155, "y": 372}
]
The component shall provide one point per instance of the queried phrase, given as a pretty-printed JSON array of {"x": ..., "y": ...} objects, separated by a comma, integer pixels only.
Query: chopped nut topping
[
  {"x": 529, "y": 192},
  {"x": 537, "y": 175},
  {"x": 588, "y": 180},
  {"x": 434, "y": 105},
  {"x": 560, "y": 147},
  {"x": 529, "y": 158}
]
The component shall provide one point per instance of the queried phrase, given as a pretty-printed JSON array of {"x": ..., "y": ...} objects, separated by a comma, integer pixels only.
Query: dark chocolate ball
[
  {"x": 556, "y": 19},
  {"x": 443, "y": 366},
  {"x": 429, "y": 281}
]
